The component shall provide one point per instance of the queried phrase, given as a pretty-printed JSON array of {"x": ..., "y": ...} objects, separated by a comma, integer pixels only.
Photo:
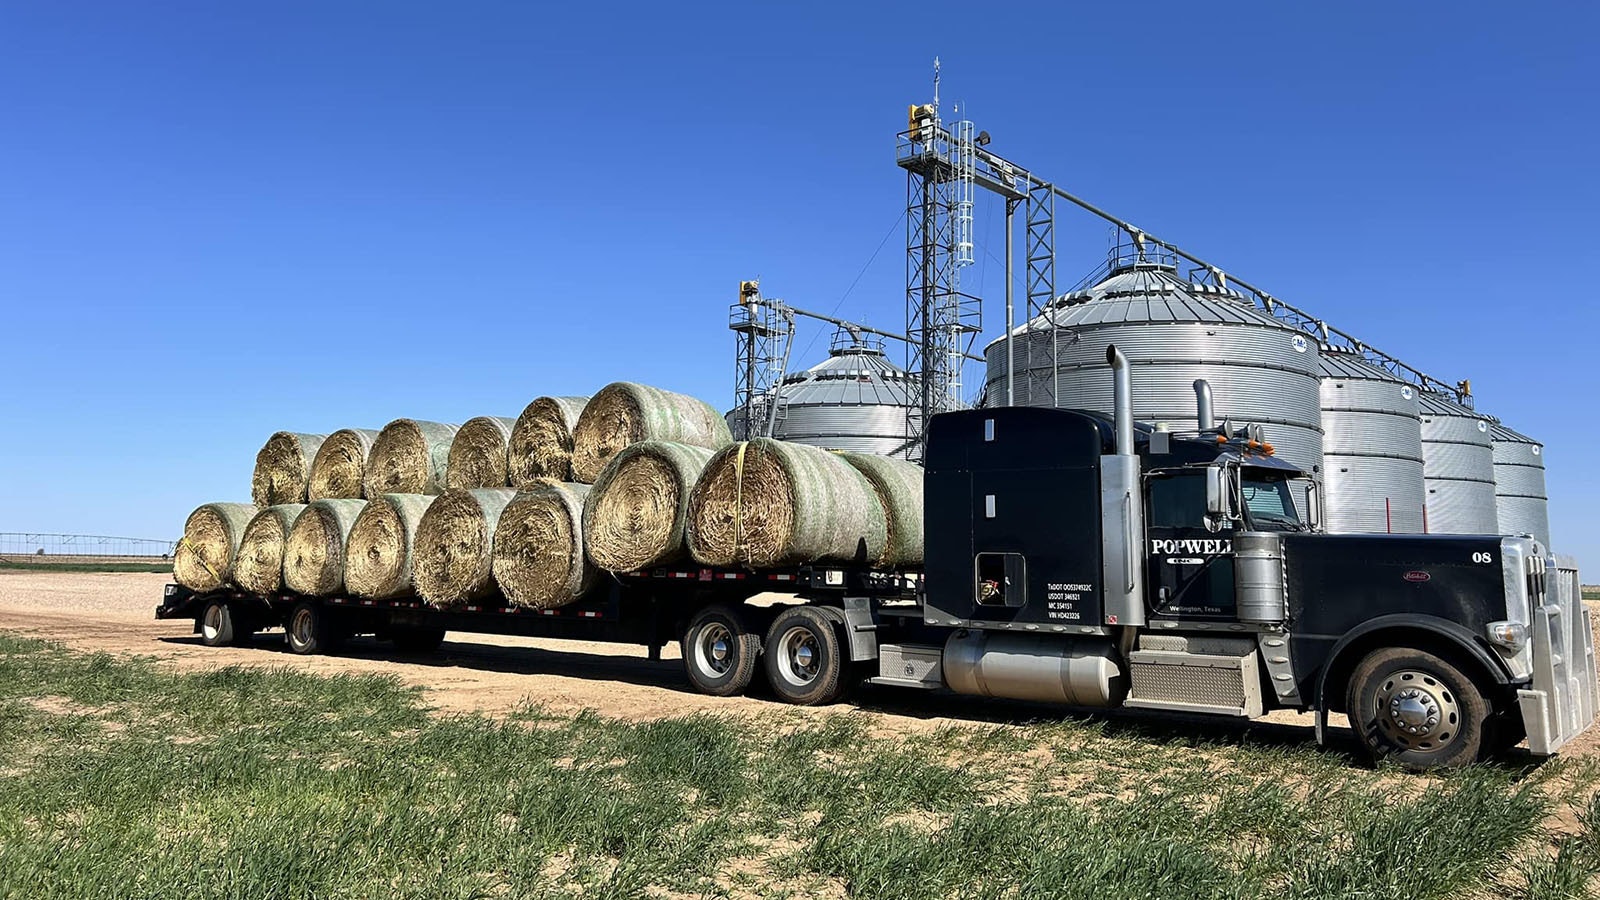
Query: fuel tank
[{"x": 1047, "y": 668}]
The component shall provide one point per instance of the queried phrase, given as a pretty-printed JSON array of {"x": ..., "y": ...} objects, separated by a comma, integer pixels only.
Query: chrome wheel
[
  {"x": 713, "y": 652},
  {"x": 798, "y": 657},
  {"x": 1418, "y": 711}
]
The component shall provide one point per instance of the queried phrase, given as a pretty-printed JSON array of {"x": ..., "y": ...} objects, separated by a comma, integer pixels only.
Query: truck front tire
[
  {"x": 309, "y": 630},
  {"x": 1417, "y": 709},
  {"x": 805, "y": 658},
  {"x": 719, "y": 651}
]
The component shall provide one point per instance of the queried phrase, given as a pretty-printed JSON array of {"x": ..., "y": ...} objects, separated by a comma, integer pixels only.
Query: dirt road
[{"x": 115, "y": 613}]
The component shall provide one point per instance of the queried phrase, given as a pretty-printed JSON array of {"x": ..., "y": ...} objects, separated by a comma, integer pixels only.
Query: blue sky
[{"x": 219, "y": 220}]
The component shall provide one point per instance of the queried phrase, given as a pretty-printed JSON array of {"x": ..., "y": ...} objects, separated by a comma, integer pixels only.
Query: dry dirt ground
[{"x": 495, "y": 674}]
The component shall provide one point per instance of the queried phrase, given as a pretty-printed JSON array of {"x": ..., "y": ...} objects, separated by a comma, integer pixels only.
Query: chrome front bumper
[{"x": 1559, "y": 703}]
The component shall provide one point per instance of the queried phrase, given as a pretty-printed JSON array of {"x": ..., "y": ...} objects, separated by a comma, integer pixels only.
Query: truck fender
[{"x": 1450, "y": 632}]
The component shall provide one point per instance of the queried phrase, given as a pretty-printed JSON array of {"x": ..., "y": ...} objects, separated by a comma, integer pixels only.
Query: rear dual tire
[
  {"x": 310, "y": 629},
  {"x": 805, "y": 657},
  {"x": 720, "y": 651},
  {"x": 222, "y": 626}
]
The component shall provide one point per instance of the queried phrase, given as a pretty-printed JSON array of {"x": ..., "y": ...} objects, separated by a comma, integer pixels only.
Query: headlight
[{"x": 1511, "y": 635}]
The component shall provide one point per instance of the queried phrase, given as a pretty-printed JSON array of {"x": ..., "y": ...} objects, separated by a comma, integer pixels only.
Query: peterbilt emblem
[{"x": 1417, "y": 577}]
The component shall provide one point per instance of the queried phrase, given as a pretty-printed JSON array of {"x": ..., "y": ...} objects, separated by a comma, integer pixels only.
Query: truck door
[{"x": 1189, "y": 572}]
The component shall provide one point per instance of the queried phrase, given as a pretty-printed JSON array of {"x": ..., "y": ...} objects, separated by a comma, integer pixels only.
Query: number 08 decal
[{"x": 1483, "y": 556}]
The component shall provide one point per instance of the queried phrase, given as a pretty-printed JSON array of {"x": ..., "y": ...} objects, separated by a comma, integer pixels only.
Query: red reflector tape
[
  {"x": 548, "y": 612},
  {"x": 474, "y": 608},
  {"x": 366, "y": 603},
  {"x": 589, "y": 615},
  {"x": 781, "y": 577}
]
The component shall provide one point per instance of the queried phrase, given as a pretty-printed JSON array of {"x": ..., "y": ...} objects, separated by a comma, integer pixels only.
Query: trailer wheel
[
  {"x": 720, "y": 651},
  {"x": 217, "y": 628},
  {"x": 417, "y": 638},
  {"x": 804, "y": 659},
  {"x": 1416, "y": 709},
  {"x": 309, "y": 630}
]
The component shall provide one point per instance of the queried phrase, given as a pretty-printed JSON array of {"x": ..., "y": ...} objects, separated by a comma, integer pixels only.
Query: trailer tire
[
  {"x": 417, "y": 638},
  {"x": 1416, "y": 709},
  {"x": 720, "y": 651},
  {"x": 218, "y": 624},
  {"x": 804, "y": 657},
  {"x": 309, "y": 630}
]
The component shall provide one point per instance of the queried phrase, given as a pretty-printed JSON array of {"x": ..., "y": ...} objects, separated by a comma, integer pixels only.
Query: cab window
[
  {"x": 1178, "y": 501},
  {"x": 1269, "y": 504}
]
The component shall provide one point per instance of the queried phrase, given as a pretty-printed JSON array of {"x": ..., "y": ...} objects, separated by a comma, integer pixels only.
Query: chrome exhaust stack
[
  {"x": 1204, "y": 411},
  {"x": 1122, "y": 400}
]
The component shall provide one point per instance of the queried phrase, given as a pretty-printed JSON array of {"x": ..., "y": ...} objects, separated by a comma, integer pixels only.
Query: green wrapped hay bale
[
  {"x": 768, "y": 504},
  {"x": 539, "y": 559},
  {"x": 211, "y": 537},
  {"x": 540, "y": 448},
  {"x": 283, "y": 468},
  {"x": 898, "y": 485},
  {"x": 625, "y": 413},
  {"x": 377, "y": 556},
  {"x": 341, "y": 465},
  {"x": 452, "y": 559},
  {"x": 635, "y": 515},
  {"x": 409, "y": 457},
  {"x": 259, "y": 565},
  {"x": 478, "y": 454},
  {"x": 313, "y": 559}
]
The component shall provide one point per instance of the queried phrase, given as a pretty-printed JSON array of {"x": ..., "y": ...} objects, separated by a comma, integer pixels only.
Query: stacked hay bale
[
  {"x": 624, "y": 413},
  {"x": 283, "y": 468},
  {"x": 340, "y": 465},
  {"x": 452, "y": 555},
  {"x": 898, "y": 485},
  {"x": 259, "y": 566},
  {"x": 635, "y": 515},
  {"x": 409, "y": 457},
  {"x": 377, "y": 557},
  {"x": 539, "y": 558},
  {"x": 313, "y": 558},
  {"x": 210, "y": 544},
  {"x": 768, "y": 504},
  {"x": 478, "y": 457},
  {"x": 540, "y": 448}
]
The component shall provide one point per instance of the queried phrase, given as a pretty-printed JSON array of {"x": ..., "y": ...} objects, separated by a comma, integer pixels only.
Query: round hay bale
[
  {"x": 409, "y": 457},
  {"x": 478, "y": 454},
  {"x": 259, "y": 566},
  {"x": 898, "y": 485},
  {"x": 377, "y": 556},
  {"x": 634, "y": 517},
  {"x": 341, "y": 465},
  {"x": 313, "y": 559},
  {"x": 210, "y": 544},
  {"x": 283, "y": 468},
  {"x": 539, "y": 559},
  {"x": 767, "y": 504},
  {"x": 541, "y": 442},
  {"x": 625, "y": 413},
  {"x": 451, "y": 559}
]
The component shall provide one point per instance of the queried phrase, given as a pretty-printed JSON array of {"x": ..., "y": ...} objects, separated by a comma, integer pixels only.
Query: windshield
[{"x": 1269, "y": 503}]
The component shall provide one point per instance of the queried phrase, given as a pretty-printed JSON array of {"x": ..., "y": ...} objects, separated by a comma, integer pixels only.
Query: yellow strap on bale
[
  {"x": 198, "y": 557},
  {"x": 738, "y": 497}
]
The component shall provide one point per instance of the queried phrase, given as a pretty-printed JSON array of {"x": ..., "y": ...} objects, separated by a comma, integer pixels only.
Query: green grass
[
  {"x": 120, "y": 778},
  {"x": 13, "y": 565},
  {"x": 1591, "y": 592}
]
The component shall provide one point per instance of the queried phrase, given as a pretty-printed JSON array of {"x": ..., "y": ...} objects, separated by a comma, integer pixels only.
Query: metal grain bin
[
  {"x": 1457, "y": 467},
  {"x": 855, "y": 399},
  {"x": 1173, "y": 331},
  {"x": 1521, "y": 505},
  {"x": 1372, "y": 448}
]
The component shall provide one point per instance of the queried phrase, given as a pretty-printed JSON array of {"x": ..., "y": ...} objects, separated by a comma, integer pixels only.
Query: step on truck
[{"x": 1090, "y": 561}]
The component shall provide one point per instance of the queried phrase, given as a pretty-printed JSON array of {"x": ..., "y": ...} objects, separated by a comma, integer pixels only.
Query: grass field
[
  {"x": 1591, "y": 592},
  {"x": 14, "y": 565},
  {"x": 119, "y": 778}
]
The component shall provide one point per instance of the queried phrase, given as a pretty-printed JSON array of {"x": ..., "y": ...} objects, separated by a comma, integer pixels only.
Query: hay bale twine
[
  {"x": 409, "y": 457},
  {"x": 313, "y": 559},
  {"x": 767, "y": 504},
  {"x": 259, "y": 566},
  {"x": 377, "y": 556},
  {"x": 539, "y": 559},
  {"x": 341, "y": 465},
  {"x": 541, "y": 441},
  {"x": 635, "y": 515},
  {"x": 898, "y": 485},
  {"x": 625, "y": 413},
  {"x": 451, "y": 559},
  {"x": 477, "y": 456},
  {"x": 283, "y": 468},
  {"x": 210, "y": 544}
]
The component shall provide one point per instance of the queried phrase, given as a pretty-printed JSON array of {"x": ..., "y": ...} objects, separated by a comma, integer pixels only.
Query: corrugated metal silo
[
  {"x": 1372, "y": 448},
  {"x": 855, "y": 399},
  {"x": 1458, "y": 468},
  {"x": 1173, "y": 331},
  {"x": 1521, "y": 505}
]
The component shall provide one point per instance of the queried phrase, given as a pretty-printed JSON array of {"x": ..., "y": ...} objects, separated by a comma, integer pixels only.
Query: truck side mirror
[
  {"x": 1216, "y": 492},
  {"x": 1314, "y": 506}
]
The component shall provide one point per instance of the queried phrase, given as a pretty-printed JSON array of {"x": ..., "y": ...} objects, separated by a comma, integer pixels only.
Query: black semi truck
[{"x": 1089, "y": 561}]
